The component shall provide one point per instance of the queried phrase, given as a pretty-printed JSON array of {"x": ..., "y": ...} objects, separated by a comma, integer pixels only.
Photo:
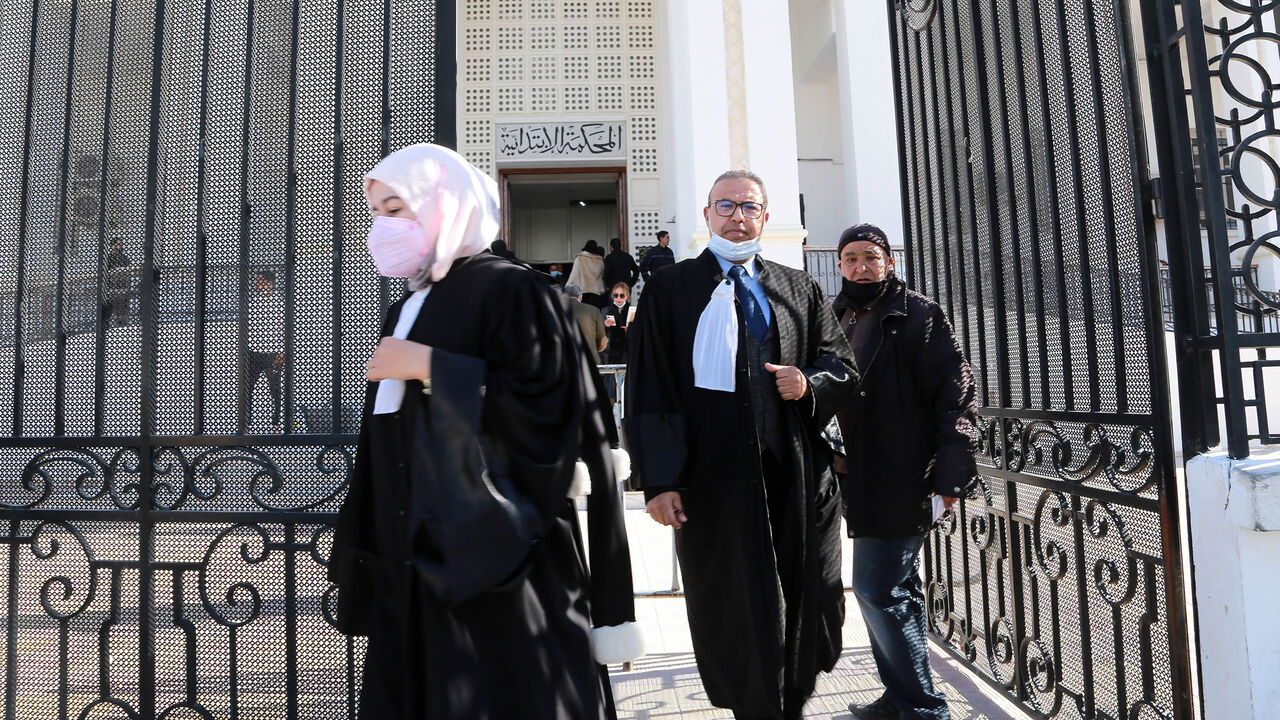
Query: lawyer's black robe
[
  {"x": 750, "y": 647},
  {"x": 508, "y": 356}
]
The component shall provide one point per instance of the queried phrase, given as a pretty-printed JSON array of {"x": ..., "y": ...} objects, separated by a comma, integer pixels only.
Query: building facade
[{"x": 610, "y": 118}]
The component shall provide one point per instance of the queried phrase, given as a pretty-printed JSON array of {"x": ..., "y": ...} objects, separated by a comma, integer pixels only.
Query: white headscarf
[{"x": 456, "y": 204}]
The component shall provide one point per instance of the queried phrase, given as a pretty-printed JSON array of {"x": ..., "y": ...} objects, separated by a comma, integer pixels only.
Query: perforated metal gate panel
[
  {"x": 1025, "y": 221},
  {"x": 165, "y": 513}
]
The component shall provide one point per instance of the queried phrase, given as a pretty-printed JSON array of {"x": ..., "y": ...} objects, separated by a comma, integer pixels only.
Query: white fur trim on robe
[
  {"x": 615, "y": 644},
  {"x": 715, "y": 346}
]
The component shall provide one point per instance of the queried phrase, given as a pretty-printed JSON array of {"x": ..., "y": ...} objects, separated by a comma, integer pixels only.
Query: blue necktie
[{"x": 747, "y": 299}]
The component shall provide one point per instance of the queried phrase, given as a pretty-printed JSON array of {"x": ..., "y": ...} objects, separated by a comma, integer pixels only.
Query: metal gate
[
  {"x": 1023, "y": 176},
  {"x": 185, "y": 307}
]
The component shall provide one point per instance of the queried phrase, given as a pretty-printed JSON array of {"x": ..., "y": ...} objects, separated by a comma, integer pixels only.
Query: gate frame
[{"x": 1183, "y": 679}]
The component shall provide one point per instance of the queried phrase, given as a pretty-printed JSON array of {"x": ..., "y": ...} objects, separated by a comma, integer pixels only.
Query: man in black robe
[{"x": 730, "y": 454}]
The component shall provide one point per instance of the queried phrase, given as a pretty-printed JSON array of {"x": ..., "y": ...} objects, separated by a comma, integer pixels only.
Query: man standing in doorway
[
  {"x": 736, "y": 364},
  {"x": 656, "y": 258},
  {"x": 910, "y": 433},
  {"x": 619, "y": 267}
]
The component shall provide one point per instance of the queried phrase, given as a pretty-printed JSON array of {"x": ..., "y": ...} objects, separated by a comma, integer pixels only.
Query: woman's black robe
[{"x": 511, "y": 379}]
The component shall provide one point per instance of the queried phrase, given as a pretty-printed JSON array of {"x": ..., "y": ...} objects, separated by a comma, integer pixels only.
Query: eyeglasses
[
  {"x": 750, "y": 209},
  {"x": 620, "y": 295}
]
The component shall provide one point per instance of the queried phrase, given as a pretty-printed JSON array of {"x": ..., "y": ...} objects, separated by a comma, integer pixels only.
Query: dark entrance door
[
  {"x": 186, "y": 305},
  {"x": 1023, "y": 174}
]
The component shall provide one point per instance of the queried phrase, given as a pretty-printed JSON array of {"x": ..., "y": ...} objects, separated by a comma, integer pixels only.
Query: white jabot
[
  {"x": 715, "y": 345},
  {"x": 391, "y": 391}
]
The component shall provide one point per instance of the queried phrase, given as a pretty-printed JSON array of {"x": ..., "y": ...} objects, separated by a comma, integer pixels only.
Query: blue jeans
[{"x": 886, "y": 581}]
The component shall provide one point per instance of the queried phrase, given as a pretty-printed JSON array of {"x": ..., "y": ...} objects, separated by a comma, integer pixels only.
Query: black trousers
[{"x": 256, "y": 365}]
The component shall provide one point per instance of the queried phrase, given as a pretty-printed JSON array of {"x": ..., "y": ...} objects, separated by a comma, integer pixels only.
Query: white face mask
[{"x": 734, "y": 252}]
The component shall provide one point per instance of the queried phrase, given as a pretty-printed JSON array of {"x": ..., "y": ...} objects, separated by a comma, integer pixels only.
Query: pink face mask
[{"x": 397, "y": 245}]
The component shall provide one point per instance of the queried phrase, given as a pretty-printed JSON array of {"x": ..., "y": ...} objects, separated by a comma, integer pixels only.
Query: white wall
[
  {"x": 869, "y": 120},
  {"x": 1234, "y": 508}
]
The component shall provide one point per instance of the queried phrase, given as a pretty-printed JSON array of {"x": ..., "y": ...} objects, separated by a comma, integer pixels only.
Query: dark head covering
[
  {"x": 867, "y": 232},
  {"x": 592, "y": 247}
]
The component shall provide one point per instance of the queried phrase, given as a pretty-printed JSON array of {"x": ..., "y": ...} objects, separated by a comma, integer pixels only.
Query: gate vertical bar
[
  {"x": 290, "y": 224},
  {"x": 1172, "y": 531},
  {"x": 59, "y": 318},
  {"x": 149, "y": 394},
  {"x": 100, "y": 342},
  {"x": 199, "y": 332},
  {"x": 339, "y": 209},
  {"x": 24, "y": 211}
]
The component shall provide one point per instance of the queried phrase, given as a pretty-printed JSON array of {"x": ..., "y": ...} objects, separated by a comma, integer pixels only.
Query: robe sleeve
[
  {"x": 544, "y": 399},
  {"x": 655, "y": 421},
  {"x": 945, "y": 381},
  {"x": 350, "y": 562},
  {"x": 536, "y": 393},
  {"x": 832, "y": 374}
]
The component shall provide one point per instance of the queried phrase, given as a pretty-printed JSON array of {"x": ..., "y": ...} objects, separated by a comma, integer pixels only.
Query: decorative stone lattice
[{"x": 564, "y": 61}]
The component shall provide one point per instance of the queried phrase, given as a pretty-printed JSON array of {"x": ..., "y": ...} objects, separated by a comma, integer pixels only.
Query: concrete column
[
  {"x": 695, "y": 108},
  {"x": 869, "y": 122},
  {"x": 771, "y": 128},
  {"x": 705, "y": 115},
  {"x": 1235, "y": 533}
]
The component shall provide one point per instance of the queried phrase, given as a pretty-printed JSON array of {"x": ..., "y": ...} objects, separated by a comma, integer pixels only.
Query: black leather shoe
[{"x": 880, "y": 709}]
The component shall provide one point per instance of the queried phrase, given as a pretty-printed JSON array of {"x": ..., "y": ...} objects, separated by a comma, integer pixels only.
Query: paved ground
[{"x": 665, "y": 685}]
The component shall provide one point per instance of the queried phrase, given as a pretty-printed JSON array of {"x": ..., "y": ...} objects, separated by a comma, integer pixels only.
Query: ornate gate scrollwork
[{"x": 183, "y": 325}]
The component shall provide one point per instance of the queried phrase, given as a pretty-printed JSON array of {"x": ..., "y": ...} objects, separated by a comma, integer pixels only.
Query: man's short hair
[
  {"x": 573, "y": 291},
  {"x": 615, "y": 243},
  {"x": 268, "y": 275},
  {"x": 661, "y": 234},
  {"x": 740, "y": 175}
]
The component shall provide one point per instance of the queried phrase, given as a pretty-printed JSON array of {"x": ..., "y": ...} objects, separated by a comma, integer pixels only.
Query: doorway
[{"x": 549, "y": 214}]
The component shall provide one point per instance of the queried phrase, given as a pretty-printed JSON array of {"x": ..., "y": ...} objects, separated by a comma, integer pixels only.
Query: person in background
[
  {"x": 499, "y": 248},
  {"x": 589, "y": 321},
  {"x": 118, "y": 286},
  {"x": 588, "y": 273},
  {"x": 658, "y": 257},
  {"x": 619, "y": 267},
  {"x": 556, "y": 271},
  {"x": 264, "y": 356},
  {"x": 457, "y": 549},
  {"x": 615, "y": 323}
]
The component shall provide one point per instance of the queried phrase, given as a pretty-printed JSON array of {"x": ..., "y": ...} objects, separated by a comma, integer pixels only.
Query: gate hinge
[{"x": 1155, "y": 193}]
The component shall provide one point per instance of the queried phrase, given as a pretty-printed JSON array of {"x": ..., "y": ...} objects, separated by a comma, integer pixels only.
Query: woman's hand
[{"x": 399, "y": 360}]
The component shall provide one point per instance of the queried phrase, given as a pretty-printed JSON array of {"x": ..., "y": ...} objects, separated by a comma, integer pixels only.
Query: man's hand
[
  {"x": 400, "y": 360},
  {"x": 667, "y": 509},
  {"x": 792, "y": 384},
  {"x": 947, "y": 501}
]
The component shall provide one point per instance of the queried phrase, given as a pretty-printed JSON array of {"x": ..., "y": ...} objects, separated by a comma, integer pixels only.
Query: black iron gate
[
  {"x": 185, "y": 306},
  {"x": 1023, "y": 177}
]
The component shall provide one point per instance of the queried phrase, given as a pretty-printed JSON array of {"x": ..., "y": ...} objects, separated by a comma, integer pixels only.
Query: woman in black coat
[{"x": 457, "y": 550}]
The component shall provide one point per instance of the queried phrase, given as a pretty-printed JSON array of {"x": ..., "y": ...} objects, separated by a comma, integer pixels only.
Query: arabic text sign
[{"x": 572, "y": 140}]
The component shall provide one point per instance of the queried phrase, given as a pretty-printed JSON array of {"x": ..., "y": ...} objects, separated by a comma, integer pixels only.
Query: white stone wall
[{"x": 532, "y": 61}]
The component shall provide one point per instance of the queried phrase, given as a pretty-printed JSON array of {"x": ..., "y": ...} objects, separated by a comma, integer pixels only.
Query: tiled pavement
[{"x": 664, "y": 684}]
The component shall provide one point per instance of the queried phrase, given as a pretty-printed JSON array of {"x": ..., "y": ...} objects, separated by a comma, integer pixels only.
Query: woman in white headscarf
[{"x": 456, "y": 550}]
